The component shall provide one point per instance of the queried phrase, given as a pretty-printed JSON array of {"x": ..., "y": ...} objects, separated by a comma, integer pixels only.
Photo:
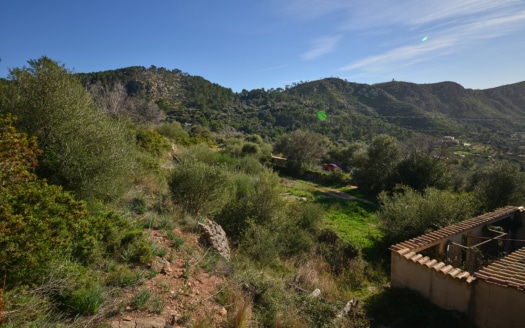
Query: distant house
[
  {"x": 451, "y": 140},
  {"x": 449, "y": 267}
]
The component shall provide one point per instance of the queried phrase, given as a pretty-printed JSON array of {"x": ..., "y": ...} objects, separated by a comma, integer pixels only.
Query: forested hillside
[
  {"x": 353, "y": 111},
  {"x": 108, "y": 181}
]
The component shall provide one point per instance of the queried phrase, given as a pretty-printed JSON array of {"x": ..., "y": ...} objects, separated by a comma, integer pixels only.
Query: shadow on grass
[{"x": 396, "y": 307}]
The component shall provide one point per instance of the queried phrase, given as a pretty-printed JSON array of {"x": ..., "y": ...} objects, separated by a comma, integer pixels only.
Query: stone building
[{"x": 461, "y": 267}]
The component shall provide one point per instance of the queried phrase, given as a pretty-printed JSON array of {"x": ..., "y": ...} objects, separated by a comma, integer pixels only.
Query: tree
[
  {"x": 498, "y": 185},
  {"x": 411, "y": 213},
  {"x": 376, "y": 172},
  {"x": 350, "y": 156},
  {"x": 302, "y": 148},
  {"x": 420, "y": 171},
  {"x": 84, "y": 150}
]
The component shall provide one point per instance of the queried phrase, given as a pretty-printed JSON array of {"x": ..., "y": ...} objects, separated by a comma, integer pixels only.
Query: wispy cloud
[
  {"x": 365, "y": 14},
  {"x": 446, "y": 41},
  {"x": 321, "y": 46}
]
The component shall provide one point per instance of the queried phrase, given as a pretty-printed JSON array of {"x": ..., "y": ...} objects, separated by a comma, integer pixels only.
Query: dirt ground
[{"x": 181, "y": 294}]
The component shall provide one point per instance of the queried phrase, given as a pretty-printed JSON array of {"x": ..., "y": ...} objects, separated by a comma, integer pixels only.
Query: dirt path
[
  {"x": 329, "y": 191},
  {"x": 343, "y": 195}
]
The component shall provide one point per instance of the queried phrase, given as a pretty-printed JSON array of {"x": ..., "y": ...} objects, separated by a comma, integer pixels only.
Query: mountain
[{"x": 353, "y": 111}]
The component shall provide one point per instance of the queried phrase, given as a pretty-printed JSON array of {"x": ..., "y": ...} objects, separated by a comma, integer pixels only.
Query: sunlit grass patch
[{"x": 353, "y": 221}]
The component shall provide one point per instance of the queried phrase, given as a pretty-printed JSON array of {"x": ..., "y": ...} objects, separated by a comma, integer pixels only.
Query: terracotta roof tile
[
  {"x": 435, "y": 237},
  {"x": 446, "y": 269},
  {"x": 509, "y": 271},
  {"x": 438, "y": 266}
]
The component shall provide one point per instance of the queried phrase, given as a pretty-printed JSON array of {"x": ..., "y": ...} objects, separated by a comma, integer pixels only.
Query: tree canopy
[
  {"x": 83, "y": 149},
  {"x": 302, "y": 148}
]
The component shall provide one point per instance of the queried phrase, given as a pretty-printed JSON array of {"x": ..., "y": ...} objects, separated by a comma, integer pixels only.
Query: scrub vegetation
[{"x": 102, "y": 175}]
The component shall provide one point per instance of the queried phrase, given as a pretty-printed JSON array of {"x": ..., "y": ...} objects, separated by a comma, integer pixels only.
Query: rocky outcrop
[
  {"x": 214, "y": 236},
  {"x": 160, "y": 265}
]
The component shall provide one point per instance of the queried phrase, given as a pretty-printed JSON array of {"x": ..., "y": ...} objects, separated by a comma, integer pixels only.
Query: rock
[
  {"x": 127, "y": 324},
  {"x": 315, "y": 293},
  {"x": 160, "y": 265},
  {"x": 150, "y": 323},
  {"x": 214, "y": 236},
  {"x": 174, "y": 316},
  {"x": 348, "y": 307}
]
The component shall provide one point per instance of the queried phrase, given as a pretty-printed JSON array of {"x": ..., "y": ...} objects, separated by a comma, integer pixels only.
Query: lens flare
[
  {"x": 425, "y": 38},
  {"x": 321, "y": 115}
]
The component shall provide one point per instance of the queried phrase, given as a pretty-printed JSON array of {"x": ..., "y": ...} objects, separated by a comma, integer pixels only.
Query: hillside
[
  {"x": 126, "y": 203},
  {"x": 354, "y": 111}
]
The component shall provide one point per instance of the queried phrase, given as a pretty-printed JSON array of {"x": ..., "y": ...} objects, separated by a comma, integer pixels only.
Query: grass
[
  {"x": 87, "y": 300},
  {"x": 352, "y": 221},
  {"x": 140, "y": 299}
]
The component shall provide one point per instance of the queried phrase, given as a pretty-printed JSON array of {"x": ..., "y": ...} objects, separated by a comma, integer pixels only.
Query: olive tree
[
  {"x": 84, "y": 150},
  {"x": 499, "y": 184},
  {"x": 411, "y": 213},
  {"x": 302, "y": 148},
  {"x": 377, "y": 166}
]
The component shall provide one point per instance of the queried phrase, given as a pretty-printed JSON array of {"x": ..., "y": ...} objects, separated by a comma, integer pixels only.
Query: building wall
[
  {"x": 488, "y": 305},
  {"x": 497, "y": 306},
  {"x": 439, "y": 288}
]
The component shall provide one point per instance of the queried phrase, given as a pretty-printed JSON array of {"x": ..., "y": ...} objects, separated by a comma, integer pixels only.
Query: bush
[
  {"x": 251, "y": 148},
  {"x": 84, "y": 150},
  {"x": 261, "y": 243},
  {"x": 173, "y": 131},
  {"x": 410, "y": 213},
  {"x": 499, "y": 184},
  {"x": 151, "y": 142},
  {"x": 199, "y": 188},
  {"x": 40, "y": 222},
  {"x": 255, "y": 197}
]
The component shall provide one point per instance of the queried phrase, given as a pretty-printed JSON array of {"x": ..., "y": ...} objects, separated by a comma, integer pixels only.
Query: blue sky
[{"x": 274, "y": 43}]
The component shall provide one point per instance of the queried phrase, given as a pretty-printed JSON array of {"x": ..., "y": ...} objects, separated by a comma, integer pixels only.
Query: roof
[
  {"x": 435, "y": 237},
  {"x": 440, "y": 267},
  {"x": 508, "y": 272}
]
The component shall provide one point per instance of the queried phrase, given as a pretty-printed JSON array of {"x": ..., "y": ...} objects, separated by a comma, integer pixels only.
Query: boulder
[
  {"x": 150, "y": 323},
  {"x": 160, "y": 265},
  {"x": 214, "y": 236}
]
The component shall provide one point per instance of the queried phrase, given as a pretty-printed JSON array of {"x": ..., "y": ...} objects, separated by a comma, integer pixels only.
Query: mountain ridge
[{"x": 354, "y": 110}]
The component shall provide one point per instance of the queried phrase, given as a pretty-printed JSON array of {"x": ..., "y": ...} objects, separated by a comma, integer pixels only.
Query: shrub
[
  {"x": 173, "y": 131},
  {"x": 31, "y": 209},
  {"x": 307, "y": 215},
  {"x": 200, "y": 188},
  {"x": 251, "y": 148},
  {"x": 408, "y": 214},
  {"x": 151, "y": 142},
  {"x": 84, "y": 150},
  {"x": 261, "y": 243},
  {"x": 254, "y": 197}
]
